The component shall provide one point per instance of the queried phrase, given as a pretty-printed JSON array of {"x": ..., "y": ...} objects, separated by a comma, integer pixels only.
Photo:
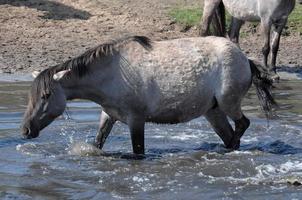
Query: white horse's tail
[
  {"x": 263, "y": 88},
  {"x": 219, "y": 22}
]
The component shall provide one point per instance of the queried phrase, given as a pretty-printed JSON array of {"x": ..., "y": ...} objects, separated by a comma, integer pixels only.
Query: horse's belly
[
  {"x": 182, "y": 109},
  {"x": 175, "y": 115},
  {"x": 246, "y": 10}
]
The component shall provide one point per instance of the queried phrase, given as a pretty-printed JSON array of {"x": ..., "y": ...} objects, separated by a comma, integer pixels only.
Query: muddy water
[{"x": 185, "y": 161}]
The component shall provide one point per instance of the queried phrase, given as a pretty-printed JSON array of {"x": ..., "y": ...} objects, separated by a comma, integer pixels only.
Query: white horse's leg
[
  {"x": 106, "y": 124},
  {"x": 234, "y": 32},
  {"x": 277, "y": 30},
  {"x": 137, "y": 125},
  {"x": 221, "y": 126},
  {"x": 208, "y": 12},
  {"x": 266, "y": 32}
]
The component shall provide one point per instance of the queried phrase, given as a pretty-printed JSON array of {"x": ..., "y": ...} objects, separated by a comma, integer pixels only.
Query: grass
[
  {"x": 190, "y": 17},
  {"x": 186, "y": 16},
  {"x": 295, "y": 19}
]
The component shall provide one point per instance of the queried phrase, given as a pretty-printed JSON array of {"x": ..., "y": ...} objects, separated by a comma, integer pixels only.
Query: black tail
[
  {"x": 263, "y": 88},
  {"x": 219, "y": 22}
]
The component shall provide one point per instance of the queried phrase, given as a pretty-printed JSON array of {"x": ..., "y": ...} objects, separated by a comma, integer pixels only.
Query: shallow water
[{"x": 184, "y": 161}]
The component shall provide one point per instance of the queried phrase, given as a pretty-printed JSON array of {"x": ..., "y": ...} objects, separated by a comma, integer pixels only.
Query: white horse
[
  {"x": 136, "y": 81},
  {"x": 271, "y": 13}
]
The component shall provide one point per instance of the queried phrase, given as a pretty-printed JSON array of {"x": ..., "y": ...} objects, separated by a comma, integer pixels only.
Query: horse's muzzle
[{"x": 28, "y": 134}]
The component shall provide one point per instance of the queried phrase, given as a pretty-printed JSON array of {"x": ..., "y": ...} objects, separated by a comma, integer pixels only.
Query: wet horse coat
[{"x": 136, "y": 81}]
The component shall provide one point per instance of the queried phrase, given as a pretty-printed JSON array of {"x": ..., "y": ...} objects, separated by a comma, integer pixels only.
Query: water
[{"x": 184, "y": 161}]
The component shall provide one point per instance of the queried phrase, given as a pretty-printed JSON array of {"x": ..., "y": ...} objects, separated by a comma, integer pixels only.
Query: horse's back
[
  {"x": 187, "y": 64},
  {"x": 197, "y": 56}
]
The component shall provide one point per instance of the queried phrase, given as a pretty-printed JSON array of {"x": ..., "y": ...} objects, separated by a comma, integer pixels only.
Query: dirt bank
[{"x": 36, "y": 34}]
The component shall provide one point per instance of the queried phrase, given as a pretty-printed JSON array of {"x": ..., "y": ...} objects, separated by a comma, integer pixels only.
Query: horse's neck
[{"x": 86, "y": 87}]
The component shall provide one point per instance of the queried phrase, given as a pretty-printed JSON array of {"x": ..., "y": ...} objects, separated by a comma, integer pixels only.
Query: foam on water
[
  {"x": 84, "y": 149},
  {"x": 284, "y": 173},
  {"x": 40, "y": 149},
  {"x": 287, "y": 168}
]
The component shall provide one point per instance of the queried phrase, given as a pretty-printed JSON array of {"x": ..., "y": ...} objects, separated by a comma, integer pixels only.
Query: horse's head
[{"x": 47, "y": 101}]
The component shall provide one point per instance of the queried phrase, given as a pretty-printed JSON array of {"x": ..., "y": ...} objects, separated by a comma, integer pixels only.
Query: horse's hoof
[
  {"x": 275, "y": 78},
  {"x": 234, "y": 145}
]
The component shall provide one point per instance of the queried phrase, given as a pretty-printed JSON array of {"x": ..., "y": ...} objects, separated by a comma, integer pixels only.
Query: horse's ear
[
  {"x": 35, "y": 74},
  {"x": 59, "y": 75}
]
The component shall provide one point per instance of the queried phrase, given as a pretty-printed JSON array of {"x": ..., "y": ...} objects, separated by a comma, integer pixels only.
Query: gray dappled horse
[
  {"x": 271, "y": 13},
  {"x": 137, "y": 81}
]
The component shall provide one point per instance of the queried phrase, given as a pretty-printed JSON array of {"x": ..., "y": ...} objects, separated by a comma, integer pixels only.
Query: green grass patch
[
  {"x": 186, "y": 16},
  {"x": 295, "y": 19}
]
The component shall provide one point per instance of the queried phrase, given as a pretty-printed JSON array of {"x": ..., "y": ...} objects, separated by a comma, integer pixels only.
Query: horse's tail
[
  {"x": 263, "y": 87},
  {"x": 219, "y": 21}
]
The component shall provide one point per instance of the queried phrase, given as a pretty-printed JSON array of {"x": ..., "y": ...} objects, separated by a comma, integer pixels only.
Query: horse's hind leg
[
  {"x": 208, "y": 12},
  {"x": 234, "y": 32},
  {"x": 221, "y": 126},
  {"x": 231, "y": 106},
  {"x": 240, "y": 127},
  {"x": 266, "y": 32},
  {"x": 277, "y": 30},
  {"x": 106, "y": 124}
]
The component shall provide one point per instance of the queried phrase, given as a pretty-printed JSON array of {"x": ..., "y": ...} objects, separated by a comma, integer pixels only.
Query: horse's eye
[{"x": 45, "y": 96}]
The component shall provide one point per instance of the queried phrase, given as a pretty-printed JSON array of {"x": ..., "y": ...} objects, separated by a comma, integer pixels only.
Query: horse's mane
[{"x": 78, "y": 65}]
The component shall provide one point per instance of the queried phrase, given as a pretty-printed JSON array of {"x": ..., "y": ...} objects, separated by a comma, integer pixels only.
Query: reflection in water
[{"x": 183, "y": 160}]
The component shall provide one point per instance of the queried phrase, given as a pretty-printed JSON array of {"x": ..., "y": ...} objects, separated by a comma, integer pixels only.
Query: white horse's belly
[{"x": 247, "y": 10}]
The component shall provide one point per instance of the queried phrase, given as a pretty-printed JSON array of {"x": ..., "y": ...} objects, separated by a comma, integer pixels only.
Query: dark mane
[{"x": 78, "y": 65}]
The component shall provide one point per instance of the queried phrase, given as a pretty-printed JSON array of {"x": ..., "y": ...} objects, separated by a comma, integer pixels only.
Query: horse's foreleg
[
  {"x": 221, "y": 126},
  {"x": 277, "y": 30},
  {"x": 106, "y": 124},
  {"x": 265, "y": 32},
  {"x": 208, "y": 12},
  {"x": 137, "y": 125},
  {"x": 234, "y": 32}
]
